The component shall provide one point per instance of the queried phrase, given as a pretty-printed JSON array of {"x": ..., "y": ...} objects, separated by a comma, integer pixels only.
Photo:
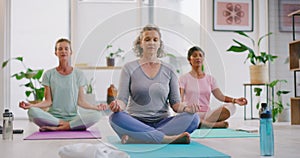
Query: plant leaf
[
  {"x": 262, "y": 37},
  {"x": 4, "y": 63},
  {"x": 245, "y": 35}
]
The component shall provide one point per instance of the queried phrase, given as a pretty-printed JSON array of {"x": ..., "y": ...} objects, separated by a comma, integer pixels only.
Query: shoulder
[
  {"x": 168, "y": 67},
  {"x": 208, "y": 76},
  {"x": 50, "y": 71},
  {"x": 78, "y": 71},
  {"x": 185, "y": 75},
  {"x": 130, "y": 66}
]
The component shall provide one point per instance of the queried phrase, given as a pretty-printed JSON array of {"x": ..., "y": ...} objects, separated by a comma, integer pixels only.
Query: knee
[
  {"x": 196, "y": 119},
  {"x": 115, "y": 117},
  {"x": 231, "y": 108},
  {"x": 33, "y": 112}
]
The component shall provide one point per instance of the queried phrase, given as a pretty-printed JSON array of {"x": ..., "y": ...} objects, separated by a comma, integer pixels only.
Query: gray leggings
[{"x": 84, "y": 120}]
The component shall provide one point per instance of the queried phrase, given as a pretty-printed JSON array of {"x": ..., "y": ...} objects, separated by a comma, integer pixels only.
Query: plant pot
[
  {"x": 259, "y": 74},
  {"x": 110, "y": 61}
]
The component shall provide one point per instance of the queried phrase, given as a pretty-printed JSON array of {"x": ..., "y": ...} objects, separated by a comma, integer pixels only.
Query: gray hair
[{"x": 136, "y": 45}]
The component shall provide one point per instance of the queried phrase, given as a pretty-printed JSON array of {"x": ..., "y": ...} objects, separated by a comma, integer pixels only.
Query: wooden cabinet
[
  {"x": 294, "y": 55},
  {"x": 295, "y": 111},
  {"x": 294, "y": 48}
]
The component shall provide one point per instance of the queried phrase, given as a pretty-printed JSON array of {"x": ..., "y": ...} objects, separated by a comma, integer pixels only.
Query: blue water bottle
[{"x": 266, "y": 133}]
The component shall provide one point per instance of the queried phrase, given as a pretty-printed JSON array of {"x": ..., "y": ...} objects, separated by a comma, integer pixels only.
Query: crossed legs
[
  {"x": 218, "y": 117},
  {"x": 170, "y": 130},
  {"x": 48, "y": 122}
]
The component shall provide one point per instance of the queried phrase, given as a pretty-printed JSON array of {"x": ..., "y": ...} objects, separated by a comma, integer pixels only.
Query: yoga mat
[
  {"x": 191, "y": 150},
  {"x": 221, "y": 133},
  {"x": 64, "y": 135}
]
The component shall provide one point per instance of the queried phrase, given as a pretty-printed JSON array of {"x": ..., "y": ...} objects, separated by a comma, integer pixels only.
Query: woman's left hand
[{"x": 101, "y": 107}]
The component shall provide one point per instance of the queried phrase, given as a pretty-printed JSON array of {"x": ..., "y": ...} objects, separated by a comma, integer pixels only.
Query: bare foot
[
  {"x": 183, "y": 138},
  {"x": 222, "y": 124},
  {"x": 128, "y": 140},
  {"x": 63, "y": 126},
  {"x": 124, "y": 139}
]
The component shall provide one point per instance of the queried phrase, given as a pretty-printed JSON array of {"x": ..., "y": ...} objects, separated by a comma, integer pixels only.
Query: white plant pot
[{"x": 259, "y": 74}]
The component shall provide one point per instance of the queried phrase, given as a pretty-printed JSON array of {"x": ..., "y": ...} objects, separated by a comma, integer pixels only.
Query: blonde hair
[{"x": 137, "y": 48}]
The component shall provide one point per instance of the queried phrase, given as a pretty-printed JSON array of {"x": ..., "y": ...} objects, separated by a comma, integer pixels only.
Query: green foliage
[
  {"x": 89, "y": 88},
  {"x": 114, "y": 54},
  {"x": 33, "y": 85},
  {"x": 276, "y": 101},
  {"x": 254, "y": 58}
]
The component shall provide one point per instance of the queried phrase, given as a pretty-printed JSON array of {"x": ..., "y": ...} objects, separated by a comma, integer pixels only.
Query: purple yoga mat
[{"x": 64, "y": 135}]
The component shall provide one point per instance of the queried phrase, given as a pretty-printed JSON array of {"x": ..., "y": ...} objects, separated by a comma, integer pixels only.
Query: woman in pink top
[{"x": 196, "y": 87}]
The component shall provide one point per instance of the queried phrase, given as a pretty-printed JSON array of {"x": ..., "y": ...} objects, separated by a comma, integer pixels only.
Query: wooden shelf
[
  {"x": 294, "y": 48},
  {"x": 295, "y": 111},
  {"x": 295, "y": 13},
  {"x": 99, "y": 67}
]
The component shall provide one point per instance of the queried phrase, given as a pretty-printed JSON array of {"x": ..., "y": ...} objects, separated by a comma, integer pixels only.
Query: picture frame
[
  {"x": 233, "y": 15},
  {"x": 285, "y": 22}
]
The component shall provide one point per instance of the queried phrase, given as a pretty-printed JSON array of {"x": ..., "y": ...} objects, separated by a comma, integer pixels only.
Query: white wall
[
  {"x": 228, "y": 68},
  {"x": 280, "y": 69},
  {"x": 35, "y": 27},
  {"x": 3, "y": 52}
]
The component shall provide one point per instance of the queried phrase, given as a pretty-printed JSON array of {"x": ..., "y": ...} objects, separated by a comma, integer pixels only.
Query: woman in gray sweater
[{"x": 148, "y": 86}]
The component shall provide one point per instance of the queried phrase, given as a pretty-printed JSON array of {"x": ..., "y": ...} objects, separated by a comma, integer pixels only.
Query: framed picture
[
  {"x": 233, "y": 15},
  {"x": 285, "y": 8}
]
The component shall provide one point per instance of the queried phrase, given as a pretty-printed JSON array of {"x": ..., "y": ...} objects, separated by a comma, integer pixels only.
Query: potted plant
[
  {"x": 276, "y": 101},
  {"x": 90, "y": 95},
  {"x": 259, "y": 68},
  {"x": 112, "y": 54},
  {"x": 33, "y": 77}
]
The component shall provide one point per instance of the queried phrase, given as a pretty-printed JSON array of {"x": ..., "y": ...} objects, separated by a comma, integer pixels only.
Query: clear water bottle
[
  {"x": 7, "y": 131},
  {"x": 266, "y": 134}
]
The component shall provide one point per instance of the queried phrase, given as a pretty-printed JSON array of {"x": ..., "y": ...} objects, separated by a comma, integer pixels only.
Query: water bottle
[
  {"x": 266, "y": 134},
  {"x": 7, "y": 131},
  {"x": 111, "y": 93}
]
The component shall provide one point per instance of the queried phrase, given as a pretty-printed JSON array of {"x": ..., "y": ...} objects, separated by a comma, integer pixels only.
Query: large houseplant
[
  {"x": 33, "y": 85},
  {"x": 257, "y": 59},
  {"x": 112, "y": 54},
  {"x": 275, "y": 101}
]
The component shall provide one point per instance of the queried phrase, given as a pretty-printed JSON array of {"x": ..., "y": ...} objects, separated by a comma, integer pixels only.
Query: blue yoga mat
[
  {"x": 222, "y": 133},
  {"x": 191, "y": 150}
]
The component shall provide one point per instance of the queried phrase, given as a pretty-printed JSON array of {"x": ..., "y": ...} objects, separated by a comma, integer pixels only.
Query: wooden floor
[{"x": 287, "y": 141}]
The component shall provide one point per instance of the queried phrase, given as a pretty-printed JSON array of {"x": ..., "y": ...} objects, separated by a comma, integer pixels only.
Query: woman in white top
[
  {"x": 196, "y": 88},
  {"x": 64, "y": 92}
]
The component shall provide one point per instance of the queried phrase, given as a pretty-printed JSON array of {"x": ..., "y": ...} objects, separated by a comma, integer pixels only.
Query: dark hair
[
  {"x": 63, "y": 40},
  {"x": 137, "y": 48},
  {"x": 192, "y": 50}
]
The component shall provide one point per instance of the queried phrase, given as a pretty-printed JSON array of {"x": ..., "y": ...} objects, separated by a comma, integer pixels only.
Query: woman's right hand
[
  {"x": 115, "y": 106},
  {"x": 24, "y": 105}
]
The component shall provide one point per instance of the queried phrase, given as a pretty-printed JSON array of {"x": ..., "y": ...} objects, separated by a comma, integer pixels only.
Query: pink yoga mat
[{"x": 64, "y": 135}]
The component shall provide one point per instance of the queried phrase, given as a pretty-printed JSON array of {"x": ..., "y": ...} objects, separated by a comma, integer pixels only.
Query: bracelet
[{"x": 233, "y": 100}]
